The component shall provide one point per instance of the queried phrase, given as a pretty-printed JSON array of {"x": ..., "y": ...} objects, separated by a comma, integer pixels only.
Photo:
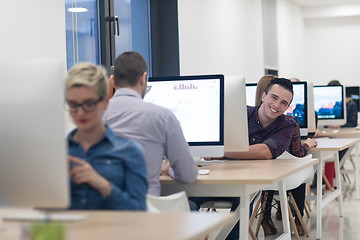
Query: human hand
[
  {"x": 83, "y": 172},
  {"x": 334, "y": 126},
  {"x": 165, "y": 168},
  {"x": 311, "y": 142}
]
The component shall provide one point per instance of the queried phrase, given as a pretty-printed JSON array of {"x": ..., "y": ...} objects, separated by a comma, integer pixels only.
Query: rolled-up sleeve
[{"x": 280, "y": 141}]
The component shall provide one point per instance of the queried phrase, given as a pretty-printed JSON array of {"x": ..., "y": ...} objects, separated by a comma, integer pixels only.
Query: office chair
[{"x": 291, "y": 182}]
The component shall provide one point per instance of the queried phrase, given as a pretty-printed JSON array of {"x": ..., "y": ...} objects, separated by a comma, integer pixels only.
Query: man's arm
[
  {"x": 257, "y": 151},
  {"x": 182, "y": 165}
]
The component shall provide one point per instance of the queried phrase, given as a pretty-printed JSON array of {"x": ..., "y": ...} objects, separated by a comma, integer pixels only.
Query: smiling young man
[{"x": 270, "y": 131}]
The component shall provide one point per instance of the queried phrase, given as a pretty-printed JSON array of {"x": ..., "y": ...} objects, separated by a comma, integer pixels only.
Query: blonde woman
[{"x": 107, "y": 171}]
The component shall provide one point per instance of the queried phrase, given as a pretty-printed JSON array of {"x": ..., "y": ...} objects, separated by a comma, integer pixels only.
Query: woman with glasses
[{"x": 107, "y": 171}]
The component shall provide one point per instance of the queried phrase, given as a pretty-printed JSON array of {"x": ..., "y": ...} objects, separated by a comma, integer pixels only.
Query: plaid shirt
[
  {"x": 276, "y": 136},
  {"x": 296, "y": 148}
]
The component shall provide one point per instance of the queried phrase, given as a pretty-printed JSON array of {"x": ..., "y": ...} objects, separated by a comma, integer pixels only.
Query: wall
[
  {"x": 290, "y": 40},
  {"x": 221, "y": 37},
  {"x": 319, "y": 43},
  {"x": 332, "y": 50}
]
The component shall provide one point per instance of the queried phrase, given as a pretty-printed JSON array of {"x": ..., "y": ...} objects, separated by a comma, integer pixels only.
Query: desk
[
  {"x": 329, "y": 146},
  {"x": 347, "y": 133},
  {"x": 114, "y": 225},
  {"x": 241, "y": 179}
]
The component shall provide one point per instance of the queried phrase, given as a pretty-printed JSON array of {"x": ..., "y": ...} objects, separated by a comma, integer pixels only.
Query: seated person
[
  {"x": 107, "y": 171},
  {"x": 351, "y": 121},
  {"x": 297, "y": 149},
  {"x": 156, "y": 128},
  {"x": 270, "y": 131}
]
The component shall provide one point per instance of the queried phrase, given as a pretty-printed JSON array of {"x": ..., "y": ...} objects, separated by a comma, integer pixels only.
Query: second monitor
[{"x": 198, "y": 104}]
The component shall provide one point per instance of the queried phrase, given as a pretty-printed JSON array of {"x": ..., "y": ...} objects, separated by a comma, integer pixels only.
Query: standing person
[
  {"x": 107, "y": 171},
  {"x": 154, "y": 127},
  {"x": 270, "y": 131}
]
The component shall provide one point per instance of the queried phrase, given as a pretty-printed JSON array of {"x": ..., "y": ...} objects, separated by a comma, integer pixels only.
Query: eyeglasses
[{"x": 87, "y": 106}]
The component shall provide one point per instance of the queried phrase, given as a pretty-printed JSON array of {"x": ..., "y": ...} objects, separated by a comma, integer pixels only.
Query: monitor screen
[
  {"x": 33, "y": 152},
  {"x": 298, "y": 106},
  {"x": 329, "y": 104},
  {"x": 198, "y": 104},
  {"x": 250, "y": 94},
  {"x": 354, "y": 93}
]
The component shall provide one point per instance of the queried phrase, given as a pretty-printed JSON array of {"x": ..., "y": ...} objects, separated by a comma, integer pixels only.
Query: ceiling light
[{"x": 77, "y": 9}]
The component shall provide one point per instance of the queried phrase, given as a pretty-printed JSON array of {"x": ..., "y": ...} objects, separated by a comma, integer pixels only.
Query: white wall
[
  {"x": 221, "y": 37},
  {"x": 319, "y": 44},
  {"x": 333, "y": 50},
  {"x": 290, "y": 40}
]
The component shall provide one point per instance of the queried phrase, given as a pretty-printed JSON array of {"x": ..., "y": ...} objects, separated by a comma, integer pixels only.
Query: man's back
[{"x": 157, "y": 130}]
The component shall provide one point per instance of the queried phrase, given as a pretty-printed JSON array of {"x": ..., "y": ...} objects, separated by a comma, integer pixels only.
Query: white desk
[
  {"x": 114, "y": 225},
  {"x": 347, "y": 133},
  {"x": 329, "y": 146},
  {"x": 241, "y": 179}
]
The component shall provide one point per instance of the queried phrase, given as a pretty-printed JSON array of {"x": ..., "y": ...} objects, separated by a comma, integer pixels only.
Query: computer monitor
[
  {"x": 33, "y": 153},
  {"x": 354, "y": 93},
  {"x": 299, "y": 106},
  {"x": 250, "y": 94},
  {"x": 236, "y": 137},
  {"x": 198, "y": 104},
  {"x": 329, "y": 103}
]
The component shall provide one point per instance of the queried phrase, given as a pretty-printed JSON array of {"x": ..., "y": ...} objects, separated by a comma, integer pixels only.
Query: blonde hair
[
  {"x": 90, "y": 75},
  {"x": 261, "y": 87}
]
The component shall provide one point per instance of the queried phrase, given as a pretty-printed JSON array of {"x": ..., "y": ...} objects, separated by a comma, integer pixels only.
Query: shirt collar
[
  {"x": 108, "y": 136},
  {"x": 127, "y": 92}
]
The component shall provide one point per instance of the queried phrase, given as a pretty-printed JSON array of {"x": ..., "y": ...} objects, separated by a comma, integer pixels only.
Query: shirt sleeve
[
  {"x": 183, "y": 167},
  {"x": 280, "y": 140},
  {"x": 296, "y": 148},
  {"x": 132, "y": 195}
]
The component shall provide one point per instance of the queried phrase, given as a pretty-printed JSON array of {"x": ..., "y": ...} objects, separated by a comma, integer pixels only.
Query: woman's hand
[{"x": 83, "y": 172}]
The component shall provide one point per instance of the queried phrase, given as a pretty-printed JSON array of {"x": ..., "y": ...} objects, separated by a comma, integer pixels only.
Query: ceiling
[{"x": 312, "y": 3}]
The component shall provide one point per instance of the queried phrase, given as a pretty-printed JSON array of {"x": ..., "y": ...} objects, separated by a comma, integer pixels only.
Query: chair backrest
[
  {"x": 296, "y": 179},
  {"x": 177, "y": 202}
]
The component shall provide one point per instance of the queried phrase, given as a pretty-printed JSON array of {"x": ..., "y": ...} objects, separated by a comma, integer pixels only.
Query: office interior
[{"x": 314, "y": 41}]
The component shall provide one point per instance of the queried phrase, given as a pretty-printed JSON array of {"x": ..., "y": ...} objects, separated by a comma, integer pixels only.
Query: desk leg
[
  {"x": 284, "y": 213},
  {"x": 338, "y": 183},
  {"x": 244, "y": 217},
  {"x": 357, "y": 166},
  {"x": 319, "y": 198}
]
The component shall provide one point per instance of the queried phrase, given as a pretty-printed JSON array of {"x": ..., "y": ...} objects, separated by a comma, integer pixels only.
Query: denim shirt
[{"x": 121, "y": 162}]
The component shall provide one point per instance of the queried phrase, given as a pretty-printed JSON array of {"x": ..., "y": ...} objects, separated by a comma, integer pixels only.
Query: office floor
[{"x": 334, "y": 227}]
